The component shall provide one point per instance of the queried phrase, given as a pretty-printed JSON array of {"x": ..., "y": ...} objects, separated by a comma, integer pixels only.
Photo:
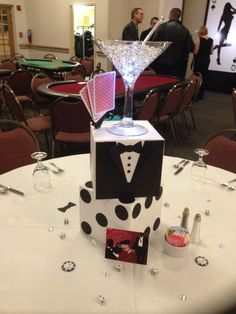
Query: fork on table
[
  {"x": 55, "y": 166},
  {"x": 228, "y": 185}
]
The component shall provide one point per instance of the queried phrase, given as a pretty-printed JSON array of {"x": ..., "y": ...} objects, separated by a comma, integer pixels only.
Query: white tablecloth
[{"x": 31, "y": 256}]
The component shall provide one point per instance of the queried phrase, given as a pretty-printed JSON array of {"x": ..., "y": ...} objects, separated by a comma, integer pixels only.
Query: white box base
[{"x": 96, "y": 215}]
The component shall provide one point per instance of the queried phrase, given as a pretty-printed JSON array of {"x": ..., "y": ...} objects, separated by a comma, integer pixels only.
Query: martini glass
[{"x": 130, "y": 58}]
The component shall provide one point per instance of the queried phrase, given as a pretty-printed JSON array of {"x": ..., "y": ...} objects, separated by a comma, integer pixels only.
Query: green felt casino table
[{"x": 50, "y": 66}]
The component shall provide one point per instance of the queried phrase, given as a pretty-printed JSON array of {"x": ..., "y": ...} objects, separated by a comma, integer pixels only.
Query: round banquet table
[
  {"x": 32, "y": 252},
  {"x": 143, "y": 84}
]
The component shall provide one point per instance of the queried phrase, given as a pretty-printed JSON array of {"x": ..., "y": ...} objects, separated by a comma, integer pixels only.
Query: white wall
[
  {"x": 19, "y": 22},
  {"x": 166, "y": 6}
]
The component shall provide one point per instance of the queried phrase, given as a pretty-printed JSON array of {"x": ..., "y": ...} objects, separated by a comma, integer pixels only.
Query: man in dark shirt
[
  {"x": 130, "y": 31},
  {"x": 174, "y": 59},
  {"x": 144, "y": 34}
]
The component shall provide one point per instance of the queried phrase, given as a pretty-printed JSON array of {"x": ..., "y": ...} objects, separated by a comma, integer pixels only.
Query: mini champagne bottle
[{"x": 184, "y": 222}]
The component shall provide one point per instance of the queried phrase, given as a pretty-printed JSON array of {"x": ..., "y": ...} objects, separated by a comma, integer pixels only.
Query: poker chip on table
[
  {"x": 68, "y": 266},
  {"x": 201, "y": 261}
]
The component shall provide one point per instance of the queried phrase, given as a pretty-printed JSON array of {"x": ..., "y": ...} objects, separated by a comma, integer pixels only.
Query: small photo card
[{"x": 127, "y": 246}]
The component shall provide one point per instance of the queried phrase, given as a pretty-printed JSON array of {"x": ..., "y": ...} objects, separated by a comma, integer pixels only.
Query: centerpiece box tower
[{"x": 125, "y": 191}]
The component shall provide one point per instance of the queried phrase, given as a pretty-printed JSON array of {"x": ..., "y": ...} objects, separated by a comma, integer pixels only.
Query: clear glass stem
[
  {"x": 40, "y": 163},
  {"x": 127, "y": 120},
  {"x": 200, "y": 158}
]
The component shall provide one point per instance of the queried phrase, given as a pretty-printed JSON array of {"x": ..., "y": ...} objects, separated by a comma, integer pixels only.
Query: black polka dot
[
  {"x": 128, "y": 165},
  {"x": 129, "y": 157},
  {"x": 147, "y": 230},
  {"x": 101, "y": 220},
  {"x": 85, "y": 195},
  {"x": 156, "y": 223},
  {"x": 148, "y": 202},
  {"x": 136, "y": 210},
  {"x": 86, "y": 227},
  {"x": 89, "y": 184},
  {"x": 157, "y": 197},
  {"x": 128, "y": 171},
  {"x": 121, "y": 212}
]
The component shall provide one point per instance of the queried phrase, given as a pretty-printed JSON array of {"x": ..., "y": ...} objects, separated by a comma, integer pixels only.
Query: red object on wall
[
  {"x": 29, "y": 35},
  {"x": 18, "y": 7}
]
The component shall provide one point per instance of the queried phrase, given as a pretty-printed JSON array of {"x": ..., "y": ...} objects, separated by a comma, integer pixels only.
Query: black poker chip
[
  {"x": 68, "y": 266},
  {"x": 201, "y": 261}
]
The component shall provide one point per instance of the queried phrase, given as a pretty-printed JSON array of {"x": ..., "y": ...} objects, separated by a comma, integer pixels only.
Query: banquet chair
[
  {"x": 148, "y": 71},
  {"x": 50, "y": 56},
  {"x": 74, "y": 76},
  {"x": 149, "y": 107},
  {"x": 18, "y": 56},
  {"x": 222, "y": 150},
  {"x": 38, "y": 124},
  {"x": 88, "y": 64},
  {"x": 79, "y": 69},
  {"x": 17, "y": 143},
  {"x": 168, "y": 108},
  {"x": 70, "y": 122},
  {"x": 20, "y": 82},
  {"x": 198, "y": 77},
  {"x": 75, "y": 58},
  {"x": 234, "y": 104},
  {"x": 8, "y": 64},
  {"x": 186, "y": 103},
  {"x": 39, "y": 101}
]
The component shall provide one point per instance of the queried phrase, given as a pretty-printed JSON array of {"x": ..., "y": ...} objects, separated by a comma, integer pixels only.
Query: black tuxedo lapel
[{"x": 144, "y": 159}]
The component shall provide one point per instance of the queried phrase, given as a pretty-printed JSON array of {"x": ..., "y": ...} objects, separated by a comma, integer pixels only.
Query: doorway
[
  {"x": 6, "y": 32},
  {"x": 83, "y": 28}
]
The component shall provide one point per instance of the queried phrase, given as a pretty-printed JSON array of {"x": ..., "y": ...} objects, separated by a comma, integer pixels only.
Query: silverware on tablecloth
[
  {"x": 227, "y": 183},
  {"x": 52, "y": 170},
  {"x": 179, "y": 164},
  {"x": 182, "y": 167},
  {"x": 4, "y": 189},
  {"x": 58, "y": 168}
]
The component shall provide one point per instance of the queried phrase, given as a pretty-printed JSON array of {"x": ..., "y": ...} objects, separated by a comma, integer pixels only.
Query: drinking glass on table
[
  {"x": 199, "y": 169},
  {"x": 41, "y": 176}
]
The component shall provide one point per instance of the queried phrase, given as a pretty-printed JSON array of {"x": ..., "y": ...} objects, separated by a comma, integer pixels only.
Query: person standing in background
[
  {"x": 130, "y": 31},
  {"x": 144, "y": 34},
  {"x": 174, "y": 59},
  {"x": 202, "y": 51}
]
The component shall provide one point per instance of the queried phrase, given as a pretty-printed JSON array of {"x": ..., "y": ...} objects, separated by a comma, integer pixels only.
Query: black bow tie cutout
[
  {"x": 137, "y": 148},
  {"x": 64, "y": 209}
]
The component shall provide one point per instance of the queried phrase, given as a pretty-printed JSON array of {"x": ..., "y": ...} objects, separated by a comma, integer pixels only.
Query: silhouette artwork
[{"x": 225, "y": 21}]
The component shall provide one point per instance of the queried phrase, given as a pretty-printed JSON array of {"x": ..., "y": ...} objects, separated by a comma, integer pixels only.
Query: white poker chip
[
  {"x": 201, "y": 261},
  {"x": 68, "y": 266}
]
